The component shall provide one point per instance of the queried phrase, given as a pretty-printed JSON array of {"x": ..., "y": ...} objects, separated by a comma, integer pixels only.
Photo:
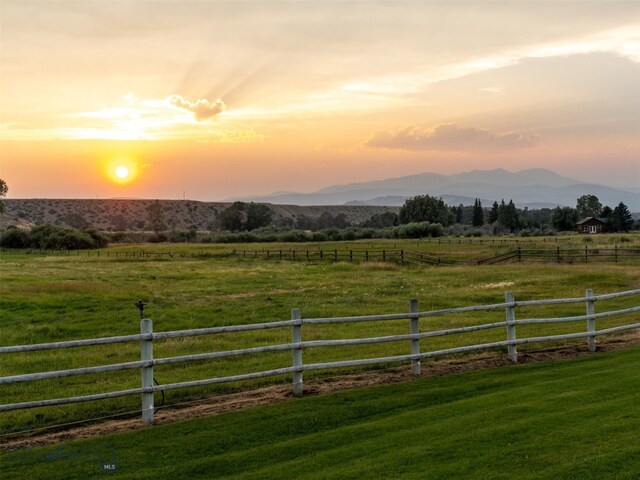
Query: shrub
[
  {"x": 418, "y": 230},
  {"x": 245, "y": 237},
  {"x": 268, "y": 237},
  {"x": 225, "y": 239},
  {"x": 182, "y": 236},
  {"x": 99, "y": 240},
  {"x": 14, "y": 238},
  {"x": 158, "y": 238},
  {"x": 319, "y": 237},
  {"x": 66, "y": 239},
  {"x": 292, "y": 236},
  {"x": 367, "y": 233},
  {"x": 349, "y": 234},
  {"x": 54, "y": 237}
]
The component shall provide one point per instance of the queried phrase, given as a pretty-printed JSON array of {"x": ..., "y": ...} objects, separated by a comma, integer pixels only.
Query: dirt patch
[
  {"x": 280, "y": 393},
  {"x": 494, "y": 285}
]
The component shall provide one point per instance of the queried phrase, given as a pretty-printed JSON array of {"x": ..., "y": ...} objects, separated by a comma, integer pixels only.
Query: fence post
[
  {"x": 591, "y": 322},
  {"x": 296, "y": 331},
  {"x": 511, "y": 326},
  {"x": 414, "y": 328},
  {"x": 146, "y": 354}
]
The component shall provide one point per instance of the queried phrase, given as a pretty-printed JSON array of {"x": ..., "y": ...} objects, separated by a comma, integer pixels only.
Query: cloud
[
  {"x": 245, "y": 136},
  {"x": 450, "y": 137},
  {"x": 202, "y": 109},
  {"x": 497, "y": 90}
]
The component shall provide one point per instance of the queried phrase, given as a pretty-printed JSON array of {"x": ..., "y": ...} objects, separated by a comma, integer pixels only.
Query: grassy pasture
[
  {"x": 54, "y": 298},
  {"x": 571, "y": 419},
  {"x": 455, "y": 248}
]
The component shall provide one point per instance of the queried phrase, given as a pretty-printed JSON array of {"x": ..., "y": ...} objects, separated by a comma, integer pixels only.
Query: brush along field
[{"x": 46, "y": 298}]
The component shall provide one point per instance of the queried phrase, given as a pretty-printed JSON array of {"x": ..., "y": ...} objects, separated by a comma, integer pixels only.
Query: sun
[{"x": 122, "y": 172}]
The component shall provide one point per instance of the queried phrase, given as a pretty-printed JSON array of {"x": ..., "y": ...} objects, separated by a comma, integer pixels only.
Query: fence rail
[
  {"x": 559, "y": 255},
  {"x": 401, "y": 256},
  {"x": 297, "y": 346}
]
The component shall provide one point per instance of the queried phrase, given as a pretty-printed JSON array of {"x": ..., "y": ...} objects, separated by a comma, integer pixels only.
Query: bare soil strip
[{"x": 280, "y": 393}]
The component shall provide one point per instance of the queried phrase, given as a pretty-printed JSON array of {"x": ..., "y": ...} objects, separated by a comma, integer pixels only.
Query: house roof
[{"x": 585, "y": 220}]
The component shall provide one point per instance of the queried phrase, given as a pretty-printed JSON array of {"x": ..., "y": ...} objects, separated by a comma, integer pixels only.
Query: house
[{"x": 591, "y": 225}]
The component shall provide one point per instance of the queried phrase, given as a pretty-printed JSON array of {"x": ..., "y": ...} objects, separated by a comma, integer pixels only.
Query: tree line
[
  {"x": 419, "y": 216},
  {"x": 617, "y": 219},
  {"x": 506, "y": 218},
  {"x": 502, "y": 217}
]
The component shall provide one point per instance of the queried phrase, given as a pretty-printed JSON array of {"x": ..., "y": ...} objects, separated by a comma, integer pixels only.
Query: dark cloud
[
  {"x": 202, "y": 109},
  {"x": 450, "y": 137}
]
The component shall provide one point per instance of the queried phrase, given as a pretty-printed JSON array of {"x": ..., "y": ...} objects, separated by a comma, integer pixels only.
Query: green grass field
[
  {"x": 571, "y": 419},
  {"x": 46, "y": 298}
]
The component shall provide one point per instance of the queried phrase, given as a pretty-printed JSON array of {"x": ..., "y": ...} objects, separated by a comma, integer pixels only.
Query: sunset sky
[{"x": 215, "y": 99}]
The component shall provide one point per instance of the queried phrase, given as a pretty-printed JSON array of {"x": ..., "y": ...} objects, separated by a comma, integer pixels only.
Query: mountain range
[{"x": 533, "y": 188}]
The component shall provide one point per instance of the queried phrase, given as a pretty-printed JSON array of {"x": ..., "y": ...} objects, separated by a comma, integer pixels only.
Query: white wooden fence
[{"x": 297, "y": 346}]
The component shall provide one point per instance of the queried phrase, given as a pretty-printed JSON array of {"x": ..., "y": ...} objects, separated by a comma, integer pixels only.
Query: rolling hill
[{"x": 131, "y": 215}]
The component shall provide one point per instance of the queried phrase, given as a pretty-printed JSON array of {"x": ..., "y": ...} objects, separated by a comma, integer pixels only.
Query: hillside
[{"x": 131, "y": 215}]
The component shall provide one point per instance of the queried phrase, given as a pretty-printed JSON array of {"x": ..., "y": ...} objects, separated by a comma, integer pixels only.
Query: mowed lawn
[{"x": 571, "y": 419}]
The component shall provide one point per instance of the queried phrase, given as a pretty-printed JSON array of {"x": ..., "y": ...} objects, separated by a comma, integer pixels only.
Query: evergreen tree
[
  {"x": 605, "y": 215},
  {"x": 524, "y": 219},
  {"x": 508, "y": 216},
  {"x": 478, "y": 214},
  {"x": 621, "y": 219},
  {"x": 493, "y": 213},
  {"x": 459, "y": 212},
  {"x": 502, "y": 213}
]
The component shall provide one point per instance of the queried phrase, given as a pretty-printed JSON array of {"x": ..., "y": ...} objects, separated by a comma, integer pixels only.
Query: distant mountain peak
[{"x": 533, "y": 186}]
